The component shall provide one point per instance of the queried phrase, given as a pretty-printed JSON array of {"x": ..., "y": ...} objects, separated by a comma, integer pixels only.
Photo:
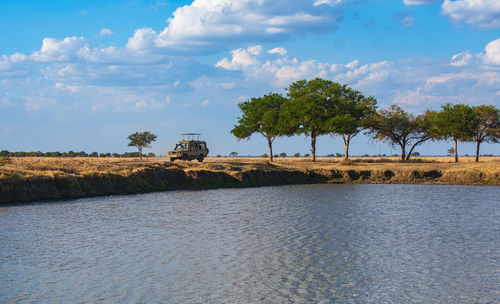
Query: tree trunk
[
  {"x": 403, "y": 152},
  {"x": 270, "y": 143},
  {"x": 346, "y": 146},
  {"x": 456, "y": 152},
  {"x": 140, "y": 153},
  {"x": 477, "y": 150},
  {"x": 313, "y": 145}
]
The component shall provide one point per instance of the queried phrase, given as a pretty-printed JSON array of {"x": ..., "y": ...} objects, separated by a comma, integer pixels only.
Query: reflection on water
[{"x": 300, "y": 244}]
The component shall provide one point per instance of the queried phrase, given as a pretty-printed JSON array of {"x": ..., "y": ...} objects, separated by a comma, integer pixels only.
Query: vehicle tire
[{"x": 200, "y": 158}]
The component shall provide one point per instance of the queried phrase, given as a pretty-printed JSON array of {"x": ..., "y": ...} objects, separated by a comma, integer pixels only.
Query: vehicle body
[{"x": 189, "y": 149}]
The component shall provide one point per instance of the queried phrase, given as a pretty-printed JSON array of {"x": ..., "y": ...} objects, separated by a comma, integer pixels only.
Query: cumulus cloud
[
  {"x": 492, "y": 55},
  {"x": 485, "y": 14},
  {"x": 417, "y": 83},
  {"x": 106, "y": 32},
  {"x": 209, "y": 25}
]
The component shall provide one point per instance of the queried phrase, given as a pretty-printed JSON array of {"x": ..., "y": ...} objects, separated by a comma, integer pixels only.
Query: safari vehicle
[{"x": 189, "y": 148}]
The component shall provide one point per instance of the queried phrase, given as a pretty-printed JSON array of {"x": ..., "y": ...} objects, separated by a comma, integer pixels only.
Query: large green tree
[
  {"x": 458, "y": 122},
  {"x": 400, "y": 128},
  {"x": 488, "y": 128},
  {"x": 141, "y": 140},
  {"x": 260, "y": 115},
  {"x": 351, "y": 110},
  {"x": 307, "y": 109}
]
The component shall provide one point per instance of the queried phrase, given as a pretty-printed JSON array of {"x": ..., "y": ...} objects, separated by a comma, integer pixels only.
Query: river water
[{"x": 287, "y": 244}]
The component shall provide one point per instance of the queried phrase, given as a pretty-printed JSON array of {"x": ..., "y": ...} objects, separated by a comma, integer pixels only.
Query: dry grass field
[
  {"x": 44, "y": 178},
  {"x": 48, "y": 166}
]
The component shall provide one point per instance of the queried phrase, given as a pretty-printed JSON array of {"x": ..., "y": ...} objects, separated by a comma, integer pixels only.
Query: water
[{"x": 289, "y": 244}]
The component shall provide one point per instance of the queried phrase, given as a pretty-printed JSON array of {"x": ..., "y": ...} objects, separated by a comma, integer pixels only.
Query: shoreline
[{"x": 91, "y": 178}]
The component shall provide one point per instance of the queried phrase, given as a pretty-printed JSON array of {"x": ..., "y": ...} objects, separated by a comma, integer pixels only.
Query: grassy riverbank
[{"x": 32, "y": 178}]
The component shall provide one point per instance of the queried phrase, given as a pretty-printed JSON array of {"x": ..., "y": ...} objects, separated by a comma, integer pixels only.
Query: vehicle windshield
[{"x": 181, "y": 146}]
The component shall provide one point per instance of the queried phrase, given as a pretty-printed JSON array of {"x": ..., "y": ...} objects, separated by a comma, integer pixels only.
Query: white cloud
[
  {"x": 492, "y": 55},
  {"x": 278, "y": 50},
  {"x": 485, "y": 14},
  {"x": 106, "y": 32},
  {"x": 60, "y": 50},
  {"x": 205, "y": 103},
  {"x": 209, "y": 25},
  {"x": 418, "y": 83},
  {"x": 461, "y": 59}
]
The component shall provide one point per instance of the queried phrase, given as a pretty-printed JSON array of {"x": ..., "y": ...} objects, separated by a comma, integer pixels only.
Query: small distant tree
[
  {"x": 306, "y": 155},
  {"x": 296, "y": 155},
  {"x": 488, "y": 128},
  {"x": 264, "y": 155},
  {"x": 141, "y": 140},
  {"x": 283, "y": 155},
  {"x": 218, "y": 156},
  {"x": 151, "y": 154},
  {"x": 458, "y": 122},
  {"x": 233, "y": 154},
  {"x": 451, "y": 151},
  {"x": 415, "y": 154},
  {"x": 260, "y": 115}
]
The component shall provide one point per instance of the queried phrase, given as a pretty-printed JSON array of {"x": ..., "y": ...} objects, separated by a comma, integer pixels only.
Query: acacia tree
[
  {"x": 260, "y": 115},
  {"x": 141, "y": 140},
  {"x": 458, "y": 122},
  {"x": 488, "y": 129},
  {"x": 351, "y": 109},
  {"x": 400, "y": 128},
  {"x": 307, "y": 109}
]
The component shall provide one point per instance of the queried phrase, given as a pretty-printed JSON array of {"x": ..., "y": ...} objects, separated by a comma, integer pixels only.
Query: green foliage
[
  {"x": 233, "y": 154},
  {"x": 488, "y": 128},
  {"x": 308, "y": 108},
  {"x": 457, "y": 121},
  {"x": 400, "y": 128},
  {"x": 283, "y": 154},
  {"x": 296, "y": 155},
  {"x": 260, "y": 115},
  {"x": 141, "y": 140}
]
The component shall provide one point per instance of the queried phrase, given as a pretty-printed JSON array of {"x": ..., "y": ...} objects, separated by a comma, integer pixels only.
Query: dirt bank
[{"x": 37, "y": 179}]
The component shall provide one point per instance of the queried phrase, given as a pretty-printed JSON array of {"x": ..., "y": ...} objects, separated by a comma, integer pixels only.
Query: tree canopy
[
  {"x": 308, "y": 108},
  {"x": 351, "y": 109},
  {"x": 141, "y": 140},
  {"x": 400, "y": 128},
  {"x": 458, "y": 122},
  {"x": 488, "y": 128},
  {"x": 260, "y": 115}
]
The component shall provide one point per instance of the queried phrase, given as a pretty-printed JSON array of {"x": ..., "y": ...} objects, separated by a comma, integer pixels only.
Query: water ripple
[{"x": 289, "y": 244}]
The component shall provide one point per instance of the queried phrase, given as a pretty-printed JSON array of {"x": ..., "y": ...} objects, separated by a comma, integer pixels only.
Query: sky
[{"x": 83, "y": 75}]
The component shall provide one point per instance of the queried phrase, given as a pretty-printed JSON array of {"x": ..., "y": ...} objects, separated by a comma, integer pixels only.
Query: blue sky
[{"x": 83, "y": 75}]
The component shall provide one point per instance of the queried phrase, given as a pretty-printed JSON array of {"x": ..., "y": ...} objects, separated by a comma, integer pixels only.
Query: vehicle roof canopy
[{"x": 190, "y": 136}]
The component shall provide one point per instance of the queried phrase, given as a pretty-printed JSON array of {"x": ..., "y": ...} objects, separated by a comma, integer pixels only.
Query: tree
[
  {"x": 141, "y": 140},
  {"x": 307, "y": 109},
  {"x": 233, "y": 154},
  {"x": 458, "y": 122},
  {"x": 351, "y": 111},
  {"x": 451, "y": 151},
  {"x": 260, "y": 115},
  {"x": 488, "y": 129},
  {"x": 400, "y": 128},
  {"x": 283, "y": 155}
]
